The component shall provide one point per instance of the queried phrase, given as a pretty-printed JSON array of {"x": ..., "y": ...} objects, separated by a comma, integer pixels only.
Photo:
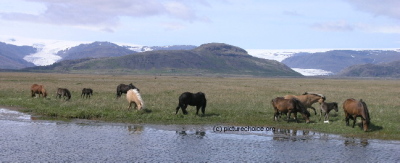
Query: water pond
[{"x": 23, "y": 139}]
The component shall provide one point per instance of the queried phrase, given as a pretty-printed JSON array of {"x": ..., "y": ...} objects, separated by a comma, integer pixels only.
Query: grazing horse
[
  {"x": 326, "y": 108},
  {"x": 86, "y": 92},
  {"x": 38, "y": 89},
  {"x": 193, "y": 99},
  {"x": 288, "y": 106},
  {"x": 353, "y": 109},
  {"x": 307, "y": 99},
  {"x": 133, "y": 96},
  {"x": 63, "y": 92},
  {"x": 122, "y": 88}
]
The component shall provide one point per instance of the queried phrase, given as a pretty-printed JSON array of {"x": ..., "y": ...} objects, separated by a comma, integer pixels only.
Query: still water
[{"x": 23, "y": 139}]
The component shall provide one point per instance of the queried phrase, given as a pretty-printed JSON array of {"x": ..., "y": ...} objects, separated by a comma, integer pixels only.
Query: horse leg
[
  {"x": 346, "y": 115},
  {"x": 203, "y": 109},
  {"x": 326, "y": 117},
  {"x": 315, "y": 112},
  {"x": 197, "y": 110},
  {"x": 295, "y": 117},
  {"x": 184, "y": 109},
  {"x": 320, "y": 114},
  {"x": 354, "y": 121},
  {"x": 288, "y": 116}
]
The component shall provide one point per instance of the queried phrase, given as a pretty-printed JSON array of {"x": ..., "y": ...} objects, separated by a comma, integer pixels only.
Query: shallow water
[{"x": 25, "y": 140}]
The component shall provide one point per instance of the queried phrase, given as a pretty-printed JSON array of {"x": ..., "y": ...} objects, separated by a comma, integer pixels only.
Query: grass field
[{"x": 230, "y": 101}]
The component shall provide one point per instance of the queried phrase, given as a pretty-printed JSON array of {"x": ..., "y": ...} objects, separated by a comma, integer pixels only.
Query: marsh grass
[{"x": 230, "y": 101}]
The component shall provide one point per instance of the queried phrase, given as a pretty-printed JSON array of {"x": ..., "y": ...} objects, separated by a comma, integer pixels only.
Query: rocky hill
[
  {"x": 11, "y": 56},
  {"x": 213, "y": 58},
  {"x": 391, "y": 69}
]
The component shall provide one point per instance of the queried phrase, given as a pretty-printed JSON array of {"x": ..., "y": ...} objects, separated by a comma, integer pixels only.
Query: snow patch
[
  {"x": 280, "y": 54},
  {"x": 312, "y": 72}
]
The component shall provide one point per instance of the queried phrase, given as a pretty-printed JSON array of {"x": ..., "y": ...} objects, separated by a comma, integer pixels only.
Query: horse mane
[
  {"x": 366, "y": 112},
  {"x": 316, "y": 94},
  {"x": 138, "y": 96}
]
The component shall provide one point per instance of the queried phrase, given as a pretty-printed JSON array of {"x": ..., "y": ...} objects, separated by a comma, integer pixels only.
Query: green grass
[{"x": 230, "y": 101}]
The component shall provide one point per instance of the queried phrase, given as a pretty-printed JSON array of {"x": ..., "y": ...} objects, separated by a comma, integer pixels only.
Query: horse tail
[{"x": 139, "y": 97}]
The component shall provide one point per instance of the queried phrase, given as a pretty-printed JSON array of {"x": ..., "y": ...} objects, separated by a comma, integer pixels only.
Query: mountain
[
  {"x": 391, "y": 69},
  {"x": 213, "y": 58},
  {"x": 94, "y": 50},
  {"x": 336, "y": 60},
  {"x": 11, "y": 56}
]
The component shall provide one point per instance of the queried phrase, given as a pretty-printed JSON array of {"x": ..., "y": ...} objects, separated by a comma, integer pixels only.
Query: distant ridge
[
  {"x": 391, "y": 69},
  {"x": 213, "y": 58}
]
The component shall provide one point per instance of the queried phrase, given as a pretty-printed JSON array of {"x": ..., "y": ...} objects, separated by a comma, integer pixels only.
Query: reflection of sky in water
[{"x": 26, "y": 140}]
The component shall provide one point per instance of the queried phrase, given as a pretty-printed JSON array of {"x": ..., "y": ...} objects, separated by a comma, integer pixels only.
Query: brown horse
[
  {"x": 133, "y": 96},
  {"x": 353, "y": 109},
  {"x": 307, "y": 99},
  {"x": 38, "y": 89},
  {"x": 288, "y": 106}
]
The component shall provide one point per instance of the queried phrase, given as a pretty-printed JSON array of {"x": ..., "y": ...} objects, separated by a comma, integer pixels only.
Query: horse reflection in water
[
  {"x": 291, "y": 135},
  {"x": 197, "y": 134},
  {"x": 135, "y": 129},
  {"x": 353, "y": 142}
]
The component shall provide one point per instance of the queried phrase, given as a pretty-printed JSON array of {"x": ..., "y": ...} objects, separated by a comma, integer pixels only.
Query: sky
[{"x": 249, "y": 24}]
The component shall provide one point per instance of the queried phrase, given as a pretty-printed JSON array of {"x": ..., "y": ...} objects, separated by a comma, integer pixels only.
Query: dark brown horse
[
  {"x": 308, "y": 98},
  {"x": 353, "y": 109},
  {"x": 38, "y": 89},
  {"x": 288, "y": 106},
  {"x": 193, "y": 99},
  {"x": 326, "y": 108},
  {"x": 63, "y": 92},
  {"x": 122, "y": 88},
  {"x": 86, "y": 92}
]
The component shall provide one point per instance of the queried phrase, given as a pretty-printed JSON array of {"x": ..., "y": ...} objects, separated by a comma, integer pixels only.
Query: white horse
[{"x": 133, "y": 96}]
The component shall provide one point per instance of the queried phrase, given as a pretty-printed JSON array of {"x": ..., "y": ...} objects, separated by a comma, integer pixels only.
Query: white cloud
[
  {"x": 333, "y": 26},
  {"x": 104, "y": 14},
  {"x": 389, "y": 8}
]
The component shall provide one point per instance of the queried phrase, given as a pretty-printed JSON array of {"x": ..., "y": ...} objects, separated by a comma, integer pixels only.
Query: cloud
[
  {"x": 338, "y": 26},
  {"x": 105, "y": 14},
  {"x": 389, "y": 8}
]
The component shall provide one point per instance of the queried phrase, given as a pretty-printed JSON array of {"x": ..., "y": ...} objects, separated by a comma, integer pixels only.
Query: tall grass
[{"x": 230, "y": 101}]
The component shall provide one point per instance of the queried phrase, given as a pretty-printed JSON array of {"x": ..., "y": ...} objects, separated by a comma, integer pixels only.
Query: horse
[
  {"x": 133, "y": 96},
  {"x": 86, "y": 92},
  {"x": 193, "y": 99},
  {"x": 63, "y": 92},
  {"x": 38, "y": 89},
  {"x": 122, "y": 88},
  {"x": 307, "y": 99},
  {"x": 353, "y": 109},
  {"x": 288, "y": 106},
  {"x": 326, "y": 108}
]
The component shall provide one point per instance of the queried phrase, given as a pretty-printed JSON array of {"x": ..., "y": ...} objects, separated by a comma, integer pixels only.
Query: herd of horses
[{"x": 282, "y": 105}]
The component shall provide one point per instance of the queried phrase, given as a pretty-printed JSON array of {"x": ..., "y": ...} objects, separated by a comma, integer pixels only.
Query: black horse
[
  {"x": 63, "y": 92},
  {"x": 86, "y": 92},
  {"x": 187, "y": 98},
  {"x": 122, "y": 88}
]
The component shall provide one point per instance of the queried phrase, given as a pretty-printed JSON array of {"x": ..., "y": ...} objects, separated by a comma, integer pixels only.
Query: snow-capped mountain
[{"x": 312, "y": 60}]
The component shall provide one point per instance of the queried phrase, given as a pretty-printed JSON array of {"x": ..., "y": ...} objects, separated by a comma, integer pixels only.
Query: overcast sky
[{"x": 250, "y": 24}]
